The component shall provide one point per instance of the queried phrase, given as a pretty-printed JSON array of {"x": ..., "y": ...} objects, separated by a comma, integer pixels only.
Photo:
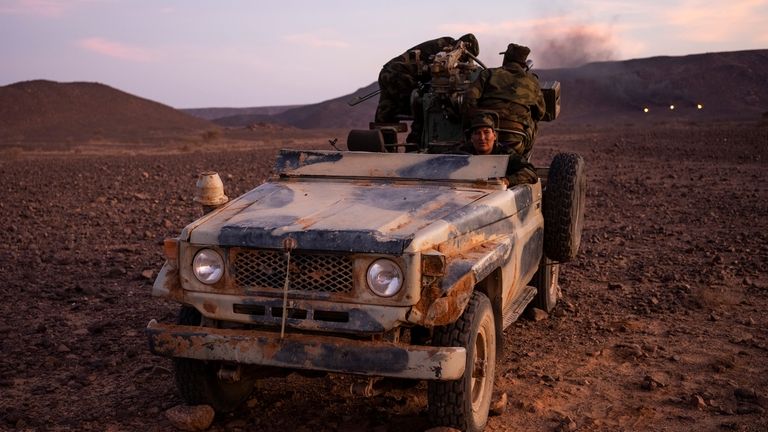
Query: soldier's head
[
  {"x": 516, "y": 54},
  {"x": 471, "y": 41},
  {"x": 482, "y": 132}
]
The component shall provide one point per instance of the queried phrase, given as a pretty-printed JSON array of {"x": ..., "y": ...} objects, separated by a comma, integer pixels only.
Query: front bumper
[{"x": 309, "y": 352}]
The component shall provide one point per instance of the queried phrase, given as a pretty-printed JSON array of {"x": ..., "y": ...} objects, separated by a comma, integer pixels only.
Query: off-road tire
[
  {"x": 464, "y": 403},
  {"x": 198, "y": 382},
  {"x": 563, "y": 208},
  {"x": 547, "y": 289},
  {"x": 366, "y": 140}
]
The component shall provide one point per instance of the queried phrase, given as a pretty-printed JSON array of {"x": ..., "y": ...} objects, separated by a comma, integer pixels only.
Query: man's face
[{"x": 483, "y": 139}]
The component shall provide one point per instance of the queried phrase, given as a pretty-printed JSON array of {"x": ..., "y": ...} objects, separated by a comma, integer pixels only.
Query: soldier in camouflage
[
  {"x": 513, "y": 92},
  {"x": 483, "y": 140},
  {"x": 401, "y": 75}
]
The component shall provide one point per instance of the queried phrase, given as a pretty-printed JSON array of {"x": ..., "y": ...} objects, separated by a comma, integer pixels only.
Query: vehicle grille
[{"x": 260, "y": 269}]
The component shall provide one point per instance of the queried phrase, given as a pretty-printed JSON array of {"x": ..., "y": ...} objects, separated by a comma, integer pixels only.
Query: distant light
[
  {"x": 645, "y": 110},
  {"x": 699, "y": 106},
  {"x": 671, "y": 107}
]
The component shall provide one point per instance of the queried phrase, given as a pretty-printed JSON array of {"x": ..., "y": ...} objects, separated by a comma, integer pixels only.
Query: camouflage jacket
[{"x": 512, "y": 92}]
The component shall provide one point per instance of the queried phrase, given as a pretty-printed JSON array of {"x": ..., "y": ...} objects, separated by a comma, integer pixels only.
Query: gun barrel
[{"x": 356, "y": 100}]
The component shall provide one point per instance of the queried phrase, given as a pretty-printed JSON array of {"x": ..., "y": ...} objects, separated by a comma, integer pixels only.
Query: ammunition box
[{"x": 551, "y": 90}]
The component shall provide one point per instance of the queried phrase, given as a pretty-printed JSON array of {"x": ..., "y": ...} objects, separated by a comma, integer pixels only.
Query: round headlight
[
  {"x": 208, "y": 266},
  {"x": 384, "y": 278}
]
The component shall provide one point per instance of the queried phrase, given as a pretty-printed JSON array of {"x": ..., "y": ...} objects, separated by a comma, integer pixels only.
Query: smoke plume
[{"x": 572, "y": 47}]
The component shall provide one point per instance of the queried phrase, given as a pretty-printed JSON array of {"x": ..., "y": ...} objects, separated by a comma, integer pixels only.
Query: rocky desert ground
[{"x": 661, "y": 326}]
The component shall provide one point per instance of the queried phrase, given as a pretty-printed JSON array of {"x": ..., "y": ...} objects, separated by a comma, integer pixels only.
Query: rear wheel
[
  {"x": 547, "y": 289},
  {"x": 464, "y": 403},
  {"x": 199, "y": 382}
]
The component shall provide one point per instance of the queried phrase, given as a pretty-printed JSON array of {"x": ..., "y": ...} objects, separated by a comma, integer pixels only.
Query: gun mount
[{"x": 436, "y": 119}]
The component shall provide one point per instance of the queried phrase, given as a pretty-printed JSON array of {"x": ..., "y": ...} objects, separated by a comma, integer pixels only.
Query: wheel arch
[
  {"x": 492, "y": 287},
  {"x": 444, "y": 301}
]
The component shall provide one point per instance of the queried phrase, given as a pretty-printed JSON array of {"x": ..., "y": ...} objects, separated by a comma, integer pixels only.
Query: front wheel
[
  {"x": 464, "y": 403},
  {"x": 198, "y": 381}
]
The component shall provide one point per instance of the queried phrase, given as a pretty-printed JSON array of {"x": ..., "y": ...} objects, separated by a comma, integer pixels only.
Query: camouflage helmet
[
  {"x": 516, "y": 54},
  {"x": 483, "y": 119},
  {"x": 471, "y": 41}
]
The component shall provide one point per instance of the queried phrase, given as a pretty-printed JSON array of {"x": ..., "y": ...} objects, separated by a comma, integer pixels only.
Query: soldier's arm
[
  {"x": 520, "y": 171},
  {"x": 473, "y": 93},
  {"x": 539, "y": 110}
]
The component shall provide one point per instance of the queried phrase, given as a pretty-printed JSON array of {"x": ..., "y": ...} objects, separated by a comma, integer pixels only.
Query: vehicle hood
[{"x": 327, "y": 215}]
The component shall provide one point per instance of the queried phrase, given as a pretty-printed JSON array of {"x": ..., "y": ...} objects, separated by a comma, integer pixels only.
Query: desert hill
[
  {"x": 333, "y": 113},
  {"x": 221, "y": 113},
  {"x": 48, "y": 112},
  {"x": 729, "y": 85}
]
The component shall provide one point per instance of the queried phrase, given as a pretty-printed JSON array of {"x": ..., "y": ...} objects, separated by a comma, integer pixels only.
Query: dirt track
[{"x": 662, "y": 324}]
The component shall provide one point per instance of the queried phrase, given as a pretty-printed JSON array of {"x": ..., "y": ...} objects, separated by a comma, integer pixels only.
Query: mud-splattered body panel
[{"x": 447, "y": 221}]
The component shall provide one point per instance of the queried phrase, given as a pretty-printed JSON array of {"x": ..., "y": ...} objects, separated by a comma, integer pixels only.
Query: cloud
[
  {"x": 709, "y": 21},
  {"x": 46, "y": 8},
  {"x": 315, "y": 41},
  {"x": 118, "y": 50}
]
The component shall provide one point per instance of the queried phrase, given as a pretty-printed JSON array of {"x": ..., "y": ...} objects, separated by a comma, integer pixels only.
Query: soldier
[
  {"x": 482, "y": 136},
  {"x": 513, "y": 92},
  {"x": 401, "y": 75}
]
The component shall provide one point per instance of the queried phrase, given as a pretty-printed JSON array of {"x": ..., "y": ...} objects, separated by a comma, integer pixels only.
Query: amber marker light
[{"x": 171, "y": 248}]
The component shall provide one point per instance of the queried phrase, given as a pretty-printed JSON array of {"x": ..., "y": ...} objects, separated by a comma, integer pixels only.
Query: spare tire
[{"x": 563, "y": 207}]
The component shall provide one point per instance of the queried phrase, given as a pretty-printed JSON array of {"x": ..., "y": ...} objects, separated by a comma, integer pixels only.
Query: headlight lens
[
  {"x": 384, "y": 278},
  {"x": 208, "y": 266}
]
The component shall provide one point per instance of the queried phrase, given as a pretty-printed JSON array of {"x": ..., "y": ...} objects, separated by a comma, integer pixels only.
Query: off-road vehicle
[{"x": 402, "y": 261}]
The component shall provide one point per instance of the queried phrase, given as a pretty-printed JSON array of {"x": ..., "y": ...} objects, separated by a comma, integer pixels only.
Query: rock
[
  {"x": 746, "y": 394},
  {"x": 147, "y": 274},
  {"x": 750, "y": 409},
  {"x": 537, "y": 314},
  {"x": 116, "y": 272},
  {"x": 190, "y": 418},
  {"x": 614, "y": 286},
  {"x": 698, "y": 402},
  {"x": 653, "y": 381},
  {"x": 531, "y": 407},
  {"x": 749, "y": 322},
  {"x": 633, "y": 350},
  {"x": 567, "y": 424},
  {"x": 499, "y": 406}
]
